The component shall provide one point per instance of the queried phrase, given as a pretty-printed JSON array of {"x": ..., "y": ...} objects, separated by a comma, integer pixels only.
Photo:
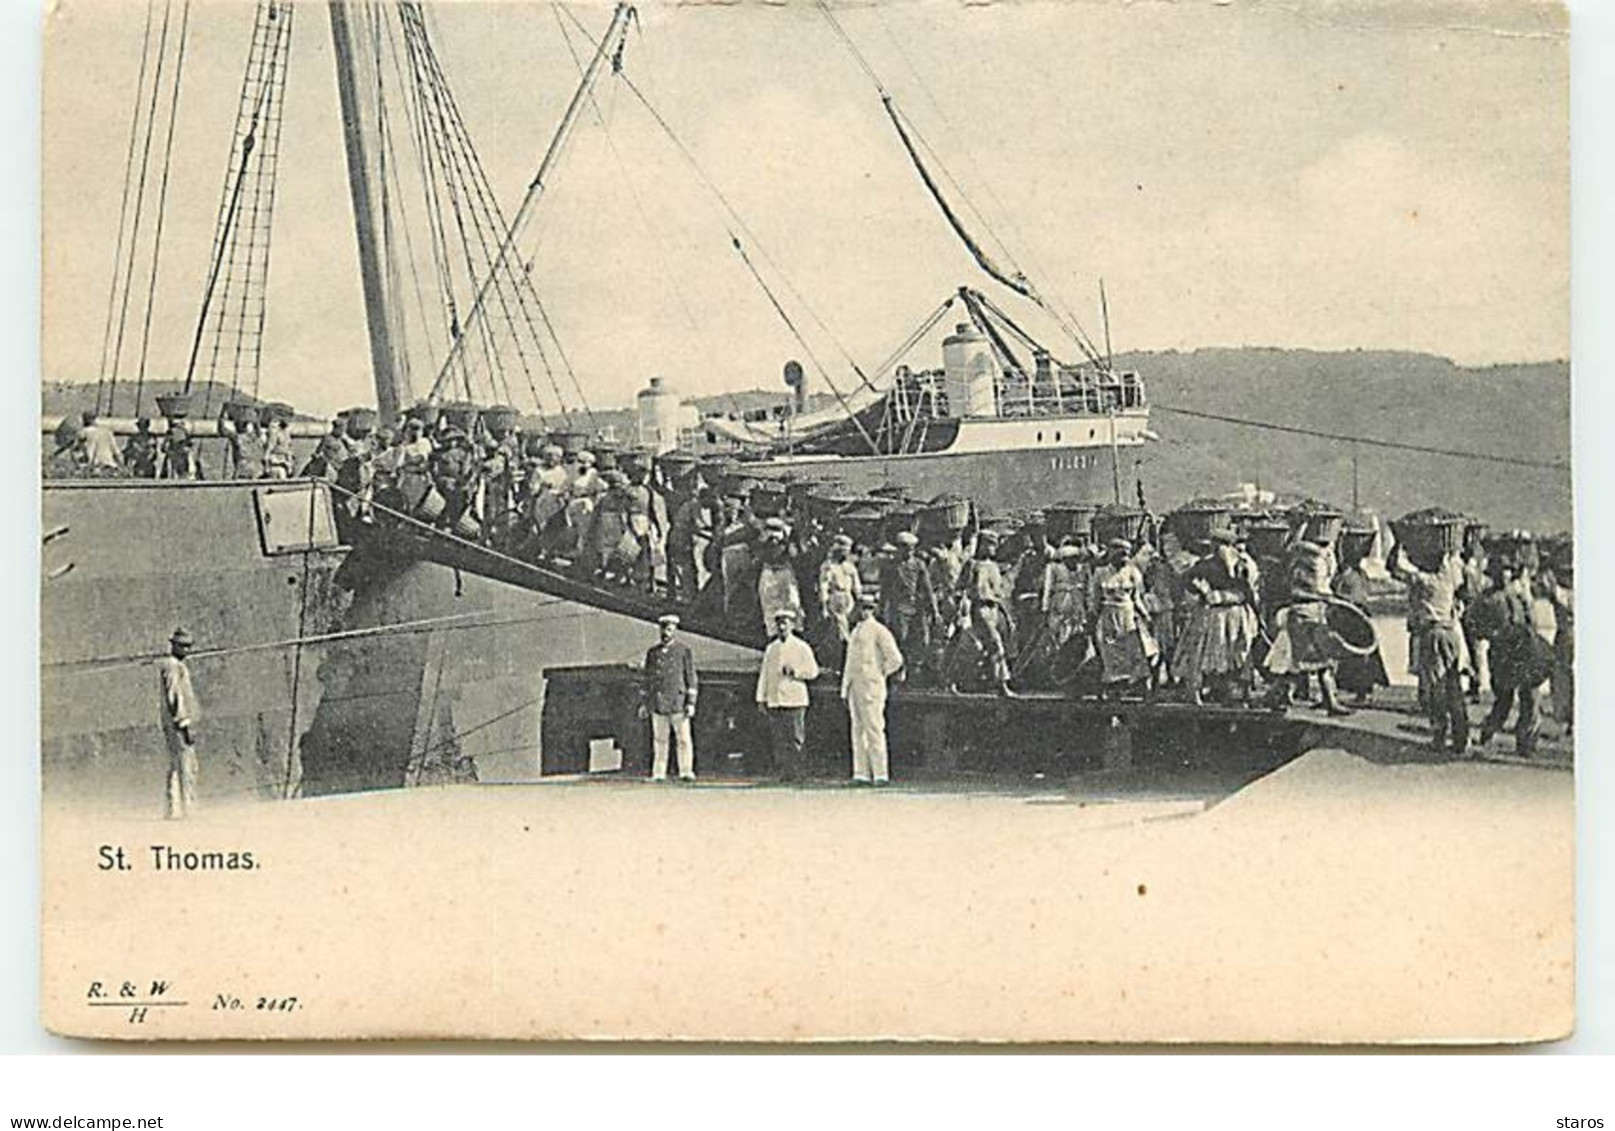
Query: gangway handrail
[{"x": 447, "y": 548}]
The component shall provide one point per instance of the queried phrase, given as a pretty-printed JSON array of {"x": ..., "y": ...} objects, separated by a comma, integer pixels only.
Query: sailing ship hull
[{"x": 410, "y": 672}]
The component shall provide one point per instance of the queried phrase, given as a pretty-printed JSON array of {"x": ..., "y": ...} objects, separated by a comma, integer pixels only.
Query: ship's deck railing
[{"x": 1066, "y": 391}]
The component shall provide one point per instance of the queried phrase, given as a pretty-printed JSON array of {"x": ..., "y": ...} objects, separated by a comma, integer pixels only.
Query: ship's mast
[{"x": 356, "y": 129}]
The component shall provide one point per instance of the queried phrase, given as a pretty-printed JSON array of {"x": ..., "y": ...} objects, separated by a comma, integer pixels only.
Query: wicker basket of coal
[
  {"x": 570, "y": 442},
  {"x": 360, "y": 422},
  {"x": 1429, "y": 535},
  {"x": 1069, "y": 520},
  {"x": 1516, "y": 549},
  {"x": 904, "y": 516},
  {"x": 431, "y": 506},
  {"x": 1198, "y": 520},
  {"x": 677, "y": 466},
  {"x": 862, "y": 522},
  {"x": 460, "y": 414},
  {"x": 1317, "y": 521},
  {"x": 636, "y": 459},
  {"x": 798, "y": 491},
  {"x": 948, "y": 512},
  {"x": 499, "y": 419},
  {"x": 767, "y": 498},
  {"x": 241, "y": 412},
  {"x": 827, "y": 500},
  {"x": 1118, "y": 520},
  {"x": 605, "y": 456},
  {"x": 174, "y": 406},
  {"x": 1266, "y": 537},
  {"x": 1558, "y": 553}
]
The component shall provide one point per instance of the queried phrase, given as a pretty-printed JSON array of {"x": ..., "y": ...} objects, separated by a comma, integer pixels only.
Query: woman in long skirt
[
  {"x": 1221, "y": 626},
  {"x": 1128, "y": 650}
]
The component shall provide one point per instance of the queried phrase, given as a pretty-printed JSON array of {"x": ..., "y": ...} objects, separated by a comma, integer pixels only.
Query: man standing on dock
[
  {"x": 179, "y": 714},
  {"x": 872, "y": 658},
  {"x": 1436, "y": 643},
  {"x": 782, "y": 694},
  {"x": 670, "y": 691}
]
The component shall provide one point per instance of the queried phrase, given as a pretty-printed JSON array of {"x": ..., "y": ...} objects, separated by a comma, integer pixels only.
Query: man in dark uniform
[
  {"x": 1521, "y": 661},
  {"x": 670, "y": 691},
  {"x": 909, "y": 604}
]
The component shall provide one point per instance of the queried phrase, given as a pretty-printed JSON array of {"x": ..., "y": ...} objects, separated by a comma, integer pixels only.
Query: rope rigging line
[
  {"x": 392, "y": 182},
  {"x": 491, "y": 218},
  {"x": 251, "y": 219},
  {"x": 452, "y": 184},
  {"x": 663, "y": 259},
  {"x": 265, "y": 201},
  {"x": 733, "y": 220},
  {"x": 913, "y": 140},
  {"x": 913, "y": 339},
  {"x": 442, "y": 188},
  {"x": 416, "y": 111},
  {"x": 1366, "y": 441},
  {"x": 259, "y": 109},
  {"x": 986, "y": 184},
  {"x": 466, "y": 169},
  {"x": 454, "y": 622},
  {"x": 233, "y": 238},
  {"x": 874, "y": 448},
  {"x": 520, "y": 275},
  {"x": 731, "y": 216},
  {"x": 123, "y": 205},
  {"x": 486, "y": 218},
  {"x": 446, "y": 309},
  {"x": 520, "y": 280},
  {"x": 162, "y": 208},
  {"x": 536, "y": 186},
  {"x": 139, "y": 211}
]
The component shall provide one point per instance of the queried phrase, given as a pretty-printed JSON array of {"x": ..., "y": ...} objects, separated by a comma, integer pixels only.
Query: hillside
[
  {"x": 60, "y": 397},
  {"x": 1519, "y": 411}
]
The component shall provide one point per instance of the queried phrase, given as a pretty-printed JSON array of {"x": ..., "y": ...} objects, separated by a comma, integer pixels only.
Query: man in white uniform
[
  {"x": 872, "y": 658},
  {"x": 179, "y": 715},
  {"x": 782, "y": 694}
]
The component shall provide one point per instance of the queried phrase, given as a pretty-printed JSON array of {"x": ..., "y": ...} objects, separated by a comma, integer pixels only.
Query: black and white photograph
[{"x": 1042, "y": 521}]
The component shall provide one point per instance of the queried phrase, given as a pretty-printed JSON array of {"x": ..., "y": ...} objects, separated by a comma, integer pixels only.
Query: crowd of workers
[
  {"x": 254, "y": 447},
  {"x": 1208, "y": 603}
]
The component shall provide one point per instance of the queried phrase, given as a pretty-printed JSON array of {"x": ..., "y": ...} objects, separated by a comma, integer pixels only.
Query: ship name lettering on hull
[{"x": 1073, "y": 463}]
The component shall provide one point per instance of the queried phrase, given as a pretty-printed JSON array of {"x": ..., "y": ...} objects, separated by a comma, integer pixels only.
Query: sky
[{"x": 1302, "y": 175}]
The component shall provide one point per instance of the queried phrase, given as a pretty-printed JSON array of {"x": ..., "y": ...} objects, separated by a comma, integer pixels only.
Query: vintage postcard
[{"x": 1024, "y": 521}]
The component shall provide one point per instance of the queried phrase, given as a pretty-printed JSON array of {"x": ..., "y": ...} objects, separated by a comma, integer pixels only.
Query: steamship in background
[
  {"x": 327, "y": 667},
  {"x": 1018, "y": 440}
]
